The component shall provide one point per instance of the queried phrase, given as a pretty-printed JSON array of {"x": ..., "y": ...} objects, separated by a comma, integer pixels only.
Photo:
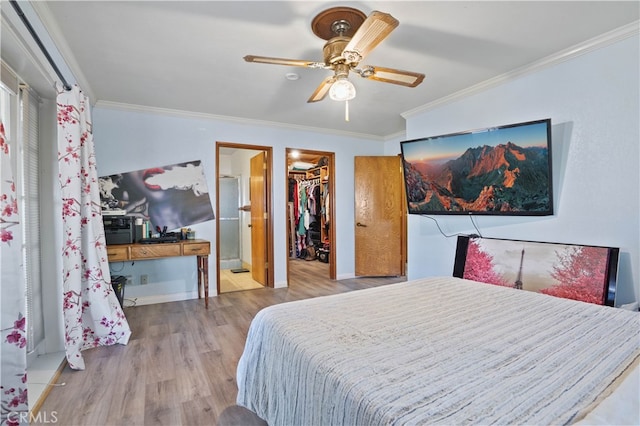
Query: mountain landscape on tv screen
[{"x": 502, "y": 178}]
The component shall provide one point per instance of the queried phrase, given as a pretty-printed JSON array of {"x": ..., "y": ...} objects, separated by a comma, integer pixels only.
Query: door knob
[{"x": 361, "y": 224}]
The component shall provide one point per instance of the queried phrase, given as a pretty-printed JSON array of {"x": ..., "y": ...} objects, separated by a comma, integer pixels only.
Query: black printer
[{"x": 119, "y": 229}]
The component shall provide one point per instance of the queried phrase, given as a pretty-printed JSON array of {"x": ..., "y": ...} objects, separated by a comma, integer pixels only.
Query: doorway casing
[
  {"x": 308, "y": 155},
  {"x": 267, "y": 207}
]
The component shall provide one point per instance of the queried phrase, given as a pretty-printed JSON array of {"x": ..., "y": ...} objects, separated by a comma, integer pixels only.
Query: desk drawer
[
  {"x": 116, "y": 254},
  {"x": 196, "y": 249},
  {"x": 150, "y": 251}
]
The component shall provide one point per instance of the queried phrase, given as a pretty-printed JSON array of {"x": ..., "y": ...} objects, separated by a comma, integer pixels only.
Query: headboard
[{"x": 586, "y": 273}]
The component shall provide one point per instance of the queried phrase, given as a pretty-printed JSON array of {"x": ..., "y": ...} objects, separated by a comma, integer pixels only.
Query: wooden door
[
  {"x": 379, "y": 217},
  {"x": 257, "y": 195}
]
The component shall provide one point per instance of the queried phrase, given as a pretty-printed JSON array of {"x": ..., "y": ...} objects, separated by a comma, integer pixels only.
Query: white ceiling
[{"x": 188, "y": 56}]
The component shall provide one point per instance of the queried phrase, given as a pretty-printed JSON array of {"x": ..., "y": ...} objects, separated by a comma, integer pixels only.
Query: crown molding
[
  {"x": 587, "y": 46},
  {"x": 397, "y": 136},
  {"x": 237, "y": 120}
]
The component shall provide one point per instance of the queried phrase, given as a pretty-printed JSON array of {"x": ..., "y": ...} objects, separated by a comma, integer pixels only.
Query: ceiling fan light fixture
[
  {"x": 342, "y": 90},
  {"x": 350, "y": 36}
]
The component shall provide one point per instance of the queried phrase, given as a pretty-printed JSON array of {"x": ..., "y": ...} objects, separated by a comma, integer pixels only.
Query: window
[
  {"x": 29, "y": 208},
  {"x": 19, "y": 107}
]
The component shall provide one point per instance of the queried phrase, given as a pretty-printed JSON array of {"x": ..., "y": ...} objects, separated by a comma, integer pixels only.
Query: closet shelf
[{"x": 321, "y": 172}]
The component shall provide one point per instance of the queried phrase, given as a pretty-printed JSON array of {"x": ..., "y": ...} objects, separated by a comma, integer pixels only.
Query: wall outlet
[
  {"x": 129, "y": 280},
  {"x": 144, "y": 279}
]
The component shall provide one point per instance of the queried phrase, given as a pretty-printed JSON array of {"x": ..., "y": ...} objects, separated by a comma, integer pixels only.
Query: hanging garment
[
  {"x": 292, "y": 187},
  {"x": 302, "y": 208},
  {"x": 296, "y": 202},
  {"x": 326, "y": 207}
]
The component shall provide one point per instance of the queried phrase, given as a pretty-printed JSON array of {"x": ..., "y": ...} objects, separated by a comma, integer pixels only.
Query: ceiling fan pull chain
[{"x": 346, "y": 110}]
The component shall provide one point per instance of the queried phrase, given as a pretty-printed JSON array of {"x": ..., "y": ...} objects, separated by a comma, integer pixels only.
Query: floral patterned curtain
[
  {"x": 13, "y": 388},
  {"x": 92, "y": 314}
]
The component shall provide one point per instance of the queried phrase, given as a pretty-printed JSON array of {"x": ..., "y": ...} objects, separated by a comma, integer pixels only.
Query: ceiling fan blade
[
  {"x": 282, "y": 61},
  {"x": 322, "y": 89},
  {"x": 373, "y": 30},
  {"x": 390, "y": 75}
]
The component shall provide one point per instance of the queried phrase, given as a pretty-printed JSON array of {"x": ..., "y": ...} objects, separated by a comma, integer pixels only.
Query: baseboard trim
[
  {"x": 346, "y": 276},
  {"x": 160, "y": 298},
  {"x": 280, "y": 284}
]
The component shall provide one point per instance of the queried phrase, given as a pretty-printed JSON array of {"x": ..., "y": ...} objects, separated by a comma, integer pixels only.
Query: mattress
[{"x": 434, "y": 351}]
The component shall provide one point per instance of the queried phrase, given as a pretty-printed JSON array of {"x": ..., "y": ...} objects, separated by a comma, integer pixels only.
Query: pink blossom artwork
[{"x": 585, "y": 273}]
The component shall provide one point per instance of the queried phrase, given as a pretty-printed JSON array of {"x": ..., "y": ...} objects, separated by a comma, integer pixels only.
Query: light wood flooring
[
  {"x": 180, "y": 364},
  {"x": 230, "y": 281}
]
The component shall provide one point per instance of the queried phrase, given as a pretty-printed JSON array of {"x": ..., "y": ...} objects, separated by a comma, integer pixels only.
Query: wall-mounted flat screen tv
[{"x": 504, "y": 170}]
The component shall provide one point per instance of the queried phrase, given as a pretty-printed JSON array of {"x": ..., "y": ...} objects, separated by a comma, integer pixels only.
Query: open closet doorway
[
  {"x": 311, "y": 239},
  {"x": 244, "y": 231}
]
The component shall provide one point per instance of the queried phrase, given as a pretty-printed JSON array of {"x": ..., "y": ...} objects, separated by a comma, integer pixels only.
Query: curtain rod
[{"x": 38, "y": 41}]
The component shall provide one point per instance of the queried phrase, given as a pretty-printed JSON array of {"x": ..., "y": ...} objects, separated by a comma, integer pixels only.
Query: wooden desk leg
[
  {"x": 199, "y": 259},
  {"x": 203, "y": 278}
]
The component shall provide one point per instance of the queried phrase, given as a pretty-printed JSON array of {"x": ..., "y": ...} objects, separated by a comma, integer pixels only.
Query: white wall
[
  {"x": 593, "y": 102},
  {"x": 128, "y": 140}
]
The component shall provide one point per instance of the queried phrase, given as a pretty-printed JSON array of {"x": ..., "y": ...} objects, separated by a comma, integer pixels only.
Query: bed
[
  {"x": 452, "y": 350},
  {"x": 440, "y": 350}
]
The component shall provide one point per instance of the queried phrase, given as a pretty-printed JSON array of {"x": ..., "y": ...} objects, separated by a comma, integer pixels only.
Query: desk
[{"x": 199, "y": 248}]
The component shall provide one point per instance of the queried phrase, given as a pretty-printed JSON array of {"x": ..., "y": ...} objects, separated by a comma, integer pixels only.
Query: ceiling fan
[{"x": 351, "y": 36}]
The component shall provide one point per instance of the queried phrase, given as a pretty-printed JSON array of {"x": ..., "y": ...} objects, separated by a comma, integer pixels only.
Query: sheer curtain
[
  {"x": 92, "y": 314},
  {"x": 13, "y": 388}
]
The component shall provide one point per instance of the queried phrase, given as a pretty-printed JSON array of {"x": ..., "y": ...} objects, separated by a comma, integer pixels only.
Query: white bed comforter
[{"x": 433, "y": 351}]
